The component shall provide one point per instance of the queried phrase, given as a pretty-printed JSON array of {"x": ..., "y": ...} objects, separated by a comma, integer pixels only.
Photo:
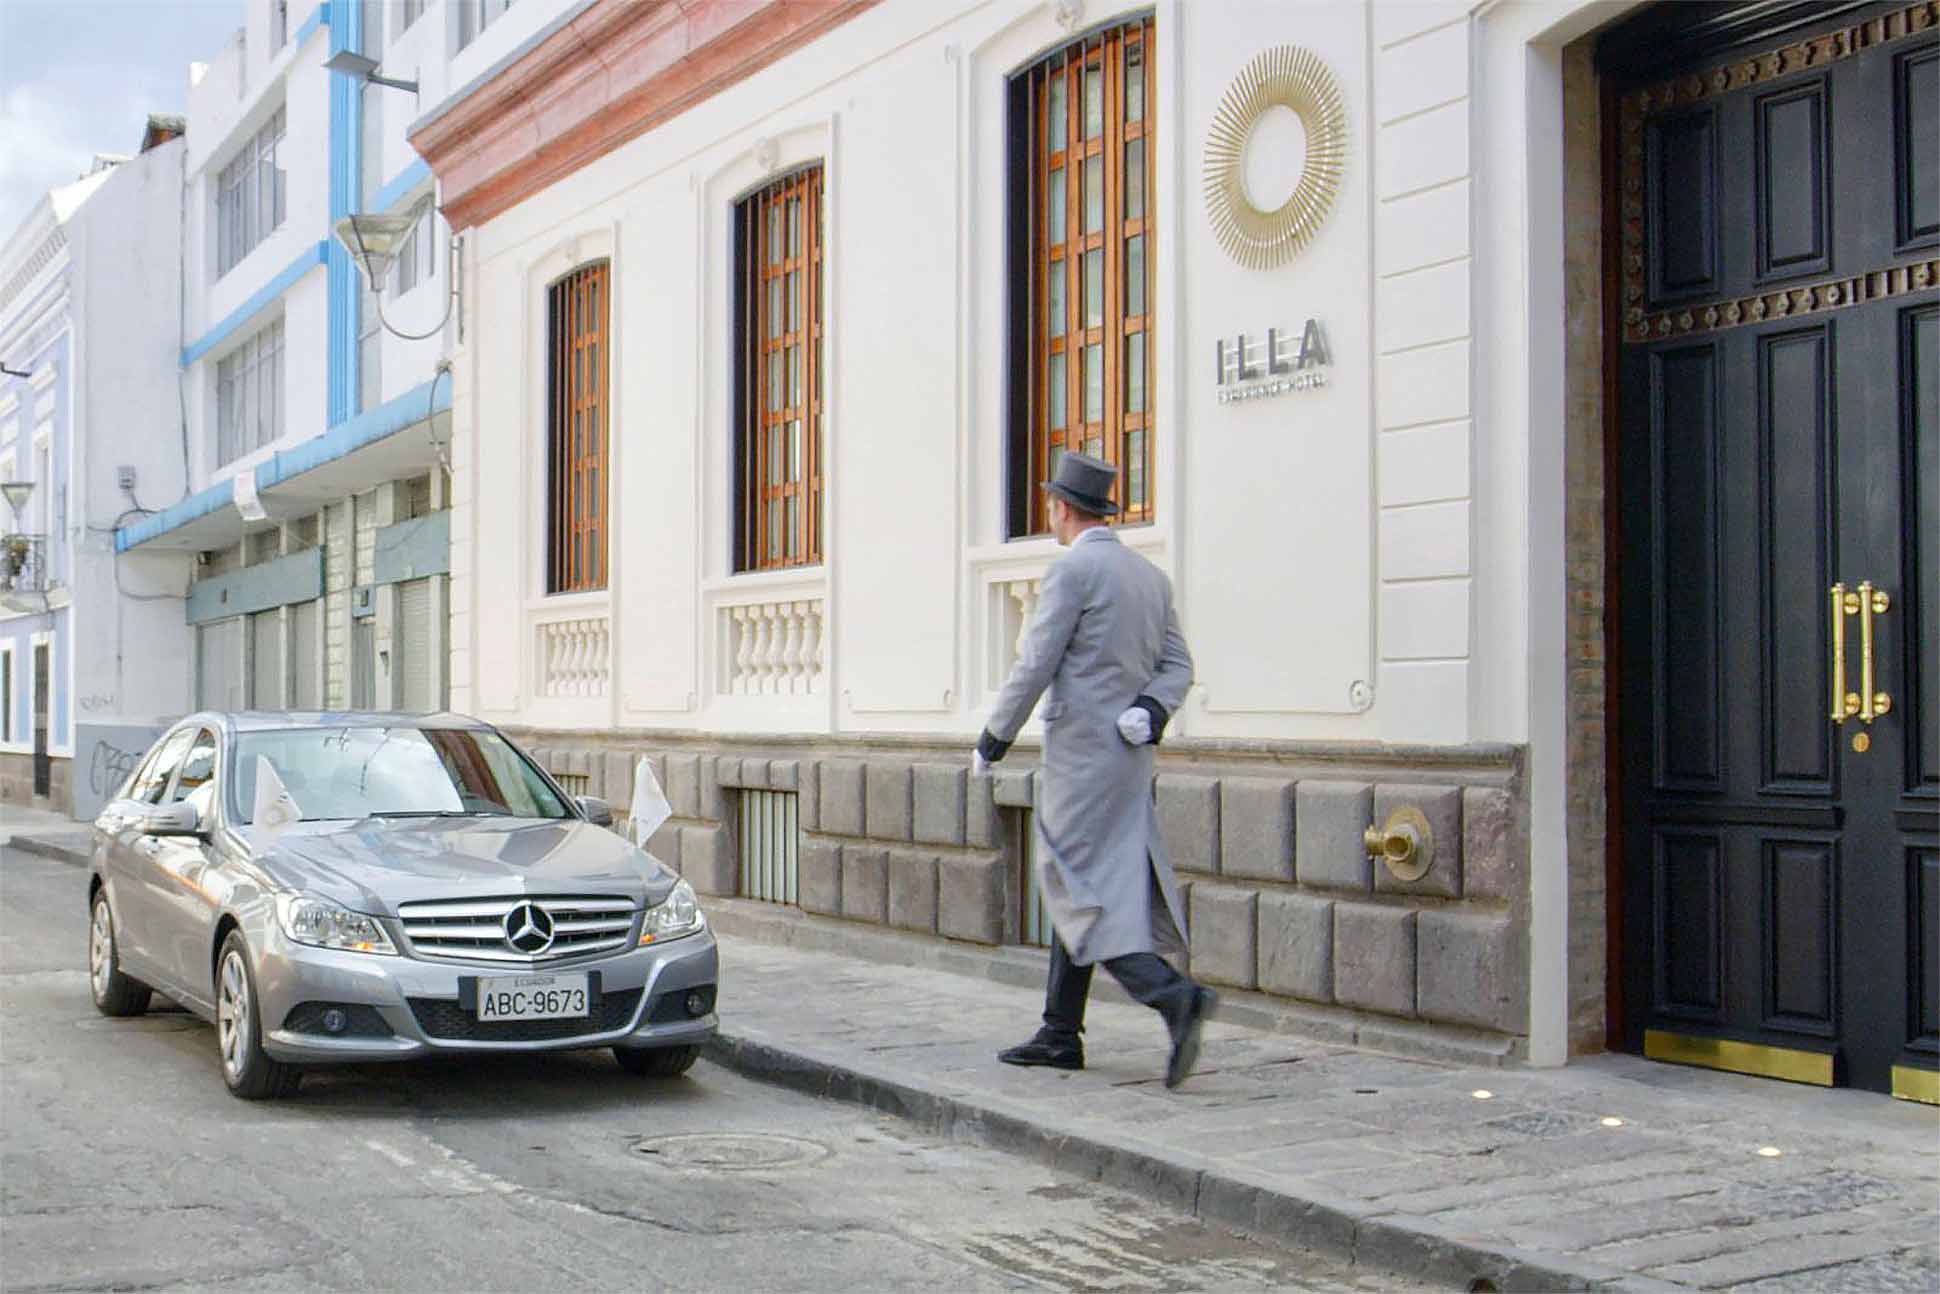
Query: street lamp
[
  {"x": 373, "y": 238},
  {"x": 351, "y": 63}
]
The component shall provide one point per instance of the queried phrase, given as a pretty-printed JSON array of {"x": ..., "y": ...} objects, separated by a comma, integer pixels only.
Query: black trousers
[{"x": 1146, "y": 976}]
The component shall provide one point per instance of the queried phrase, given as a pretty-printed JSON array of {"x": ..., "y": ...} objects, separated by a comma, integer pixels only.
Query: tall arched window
[{"x": 577, "y": 400}]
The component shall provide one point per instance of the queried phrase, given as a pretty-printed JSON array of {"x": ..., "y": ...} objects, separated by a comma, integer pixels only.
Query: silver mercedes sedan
[{"x": 418, "y": 886}]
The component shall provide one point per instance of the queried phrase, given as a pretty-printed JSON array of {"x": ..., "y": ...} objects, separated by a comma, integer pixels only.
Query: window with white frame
[
  {"x": 417, "y": 256},
  {"x": 6, "y": 693},
  {"x": 474, "y": 16},
  {"x": 279, "y": 23},
  {"x": 413, "y": 10},
  {"x": 250, "y": 198},
  {"x": 249, "y": 395}
]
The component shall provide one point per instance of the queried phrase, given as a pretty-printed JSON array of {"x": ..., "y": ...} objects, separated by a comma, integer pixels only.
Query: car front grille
[
  {"x": 444, "y": 1019},
  {"x": 473, "y": 930}
]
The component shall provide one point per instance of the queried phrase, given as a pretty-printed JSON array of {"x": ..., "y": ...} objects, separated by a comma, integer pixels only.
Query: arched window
[{"x": 577, "y": 399}]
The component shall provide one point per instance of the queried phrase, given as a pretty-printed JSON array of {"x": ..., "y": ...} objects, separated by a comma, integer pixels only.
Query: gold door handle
[
  {"x": 1844, "y": 704},
  {"x": 1872, "y": 602}
]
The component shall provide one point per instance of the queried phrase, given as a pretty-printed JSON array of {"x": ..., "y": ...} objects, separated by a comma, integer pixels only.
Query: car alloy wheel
[
  {"x": 233, "y": 1016},
  {"x": 101, "y": 951},
  {"x": 115, "y": 994}
]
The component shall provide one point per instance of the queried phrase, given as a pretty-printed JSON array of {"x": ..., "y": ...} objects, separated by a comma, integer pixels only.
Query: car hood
[{"x": 374, "y": 865}]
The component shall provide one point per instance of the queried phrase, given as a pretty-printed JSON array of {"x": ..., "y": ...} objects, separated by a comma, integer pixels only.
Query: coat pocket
[{"x": 1051, "y": 711}]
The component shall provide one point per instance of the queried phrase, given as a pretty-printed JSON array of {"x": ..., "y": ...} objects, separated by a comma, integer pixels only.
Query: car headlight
[
  {"x": 676, "y": 915},
  {"x": 322, "y": 924}
]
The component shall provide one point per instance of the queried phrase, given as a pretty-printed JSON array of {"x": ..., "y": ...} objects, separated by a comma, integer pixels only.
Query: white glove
[
  {"x": 979, "y": 766},
  {"x": 1135, "y": 726}
]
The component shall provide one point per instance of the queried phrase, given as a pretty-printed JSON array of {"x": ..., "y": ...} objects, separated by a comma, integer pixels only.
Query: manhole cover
[
  {"x": 730, "y": 1152},
  {"x": 141, "y": 1024}
]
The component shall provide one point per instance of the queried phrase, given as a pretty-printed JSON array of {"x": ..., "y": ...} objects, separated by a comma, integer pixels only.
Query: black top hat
[{"x": 1085, "y": 483}]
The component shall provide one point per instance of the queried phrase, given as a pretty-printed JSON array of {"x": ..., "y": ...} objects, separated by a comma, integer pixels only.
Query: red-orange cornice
[{"x": 612, "y": 73}]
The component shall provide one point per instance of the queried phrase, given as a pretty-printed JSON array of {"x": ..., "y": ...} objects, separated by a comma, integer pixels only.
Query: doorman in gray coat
[{"x": 1105, "y": 651}]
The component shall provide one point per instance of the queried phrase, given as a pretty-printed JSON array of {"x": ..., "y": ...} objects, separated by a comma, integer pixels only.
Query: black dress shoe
[
  {"x": 1049, "y": 1053},
  {"x": 1185, "y": 1035}
]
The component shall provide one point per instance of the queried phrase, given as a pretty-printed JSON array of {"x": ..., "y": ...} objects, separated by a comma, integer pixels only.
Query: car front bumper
[{"x": 642, "y": 1003}]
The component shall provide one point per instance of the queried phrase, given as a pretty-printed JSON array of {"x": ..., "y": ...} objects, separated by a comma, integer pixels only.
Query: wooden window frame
[
  {"x": 578, "y": 414},
  {"x": 1119, "y": 434},
  {"x": 779, "y": 372}
]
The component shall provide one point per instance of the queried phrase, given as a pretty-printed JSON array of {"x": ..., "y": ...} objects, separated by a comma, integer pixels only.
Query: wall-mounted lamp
[
  {"x": 351, "y": 63},
  {"x": 373, "y": 238},
  {"x": 17, "y": 493}
]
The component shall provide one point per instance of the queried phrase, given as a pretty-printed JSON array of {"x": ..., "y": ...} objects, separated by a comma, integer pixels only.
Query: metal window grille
[
  {"x": 574, "y": 784},
  {"x": 769, "y": 839},
  {"x": 576, "y": 382},
  {"x": 1036, "y": 923},
  {"x": 249, "y": 395},
  {"x": 250, "y": 195}
]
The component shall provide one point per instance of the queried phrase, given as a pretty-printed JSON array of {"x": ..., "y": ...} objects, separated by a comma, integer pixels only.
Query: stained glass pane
[
  {"x": 774, "y": 234},
  {"x": 794, "y": 375},
  {"x": 1094, "y": 194},
  {"x": 1094, "y": 102},
  {"x": 1135, "y": 465},
  {"x": 1095, "y": 447},
  {"x": 1054, "y": 221},
  {"x": 774, "y": 528},
  {"x": 1135, "y": 83},
  {"x": 1054, "y": 384},
  {"x": 1135, "y": 179},
  {"x": 774, "y": 459},
  {"x": 1054, "y": 116},
  {"x": 774, "y": 380},
  {"x": 1135, "y": 373},
  {"x": 795, "y": 227},
  {"x": 774, "y": 307},
  {"x": 794, "y": 520},
  {"x": 1135, "y": 275},
  {"x": 794, "y": 451},
  {"x": 794, "y": 301},
  {"x": 1095, "y": 289},
  {"x": 1094, "y": 374},
  {"x": 1054, "y": 297}
]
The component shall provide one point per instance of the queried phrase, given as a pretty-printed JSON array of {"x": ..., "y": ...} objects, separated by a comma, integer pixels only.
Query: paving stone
[
  {"x": 865, "y": 883},
  {"x": 1330, "y": 839},
  {"x": 982, "y": 825},
  {"x": 889, "y": 808},
  {"x": 1225, "y": 935},
  {"x": 912, "y": 890},
  {"x": 1784, "y": 1257},
  {"x": 808, "y": 795},
  {"x": 1654, "y": 1252},
  {"x": 1374, "y": 957},
  {"x": 1495, "y": 853},
  {"x": 1442, "y": 806},
  {"x": 1472, "y": 968},
  {"x": 1188, "y": 810},
  {"x": 784, "y": 774},
  {"x": 707, "y": 860},
  {"x": 1909, "y": 1271},
  {"x": 1013, "y": 787},
  {"x": 843, "y": 789},
  {"x": 939, "y": 799},
  {"x": 972, "y": 897},
  {"x": 1296, "y": 945},
  {"x": 818, "y": 877},
  {"x": 1256, "y": 827},
  {"x": 683, "y": 785}
]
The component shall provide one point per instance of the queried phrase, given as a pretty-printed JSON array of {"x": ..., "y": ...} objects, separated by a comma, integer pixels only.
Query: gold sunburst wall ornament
[{"x": 1286, "y": 76}]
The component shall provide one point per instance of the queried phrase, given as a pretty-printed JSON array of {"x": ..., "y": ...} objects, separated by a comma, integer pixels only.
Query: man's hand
[
  {"x": 989, "y": 751},
  {"x": 979, "y": 766},
  {"x": 1135, "y": 726}
]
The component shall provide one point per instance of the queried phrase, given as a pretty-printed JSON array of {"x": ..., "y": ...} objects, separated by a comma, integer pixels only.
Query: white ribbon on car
[
  {"x": 650, "y": 807},
  {"x": 275, "y": 806}
]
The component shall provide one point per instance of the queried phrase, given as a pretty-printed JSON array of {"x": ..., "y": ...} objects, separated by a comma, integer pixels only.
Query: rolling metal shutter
[
  {"x": 412, "y": 649},
  {"x": 219, "y": 680},
  {"x": 307, "y": 658},
  {"x": 266, "y": 634}
]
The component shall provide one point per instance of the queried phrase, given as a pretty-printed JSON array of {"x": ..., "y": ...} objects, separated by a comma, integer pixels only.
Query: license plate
[{"x": 533, "y": 997}]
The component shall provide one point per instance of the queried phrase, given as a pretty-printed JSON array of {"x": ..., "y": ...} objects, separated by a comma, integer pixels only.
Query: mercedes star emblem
[{"x": 528, "y": 929}]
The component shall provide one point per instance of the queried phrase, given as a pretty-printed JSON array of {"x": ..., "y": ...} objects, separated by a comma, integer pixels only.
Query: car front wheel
[
  {"x": 114, "y": 993},
  {"x": 246, "y": 1067},
  {"x": 657, "y": 1062}
]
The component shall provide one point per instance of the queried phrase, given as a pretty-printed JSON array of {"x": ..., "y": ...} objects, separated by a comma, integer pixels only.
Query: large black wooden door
[{"x": 1778, "y": 456}]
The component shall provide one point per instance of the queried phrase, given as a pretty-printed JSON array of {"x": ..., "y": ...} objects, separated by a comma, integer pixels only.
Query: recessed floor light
[
  {"x": 1613, "y": 1122},
  {"x": 1770, "y": 1152},
  {"x": 1482, "y": 1094}
]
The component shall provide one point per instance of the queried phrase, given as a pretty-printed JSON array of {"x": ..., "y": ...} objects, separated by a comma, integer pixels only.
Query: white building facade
[
  {"x": 91, "y": 646},
  {"x": 775, "y": 319},
  {"x": 316, "y": 521}
]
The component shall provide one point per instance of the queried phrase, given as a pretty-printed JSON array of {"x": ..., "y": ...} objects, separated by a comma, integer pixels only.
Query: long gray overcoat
[{"x": 1103, "y": 634}]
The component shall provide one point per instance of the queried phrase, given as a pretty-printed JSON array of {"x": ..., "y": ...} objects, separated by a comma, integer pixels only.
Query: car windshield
[{"x": 358, "y": 772}]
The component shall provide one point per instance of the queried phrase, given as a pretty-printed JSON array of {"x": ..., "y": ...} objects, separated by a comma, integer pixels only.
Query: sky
[{"x": 79, "y": 77}]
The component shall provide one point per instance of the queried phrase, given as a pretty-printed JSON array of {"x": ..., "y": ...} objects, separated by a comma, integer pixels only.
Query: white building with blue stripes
[{"x": 316, "y": 525}]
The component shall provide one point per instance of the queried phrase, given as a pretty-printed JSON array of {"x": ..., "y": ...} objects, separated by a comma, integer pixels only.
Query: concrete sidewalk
[
  {"x": 51, "y": 835},
  {"x": 1614, "y": 1173},
  {"x": 1611, "y": 1173}
]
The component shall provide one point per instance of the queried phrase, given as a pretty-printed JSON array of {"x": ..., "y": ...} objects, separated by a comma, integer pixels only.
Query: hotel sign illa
[{"x": 1251, "y": 369}]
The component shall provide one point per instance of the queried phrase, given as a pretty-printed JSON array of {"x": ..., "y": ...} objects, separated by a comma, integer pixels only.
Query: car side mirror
[
  {"x": 597, "y": 811},
  {"x": 178, "y": 819}
]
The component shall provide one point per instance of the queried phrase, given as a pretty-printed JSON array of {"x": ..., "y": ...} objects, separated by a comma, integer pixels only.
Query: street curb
[
  {"x": 47, "y": 849},
  {"x": 1352, "y": 1229}
]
